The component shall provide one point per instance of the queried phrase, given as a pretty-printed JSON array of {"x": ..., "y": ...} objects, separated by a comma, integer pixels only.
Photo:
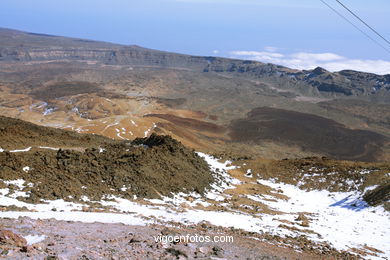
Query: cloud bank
[{"x": 306, "y": 60}]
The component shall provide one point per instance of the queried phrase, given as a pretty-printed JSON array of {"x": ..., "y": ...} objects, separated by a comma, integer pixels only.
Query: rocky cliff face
[{"x": 347, "y": 82}]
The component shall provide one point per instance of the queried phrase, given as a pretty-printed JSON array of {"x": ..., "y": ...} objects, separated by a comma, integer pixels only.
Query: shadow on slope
[{"x": 313, "y": 133}]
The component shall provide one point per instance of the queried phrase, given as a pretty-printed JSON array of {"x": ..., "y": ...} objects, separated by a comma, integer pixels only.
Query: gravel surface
[{"x": 76, "y": 240}]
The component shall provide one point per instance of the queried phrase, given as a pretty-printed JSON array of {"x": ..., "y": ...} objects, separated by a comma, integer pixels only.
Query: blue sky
[{"x": 231, "y": 28}]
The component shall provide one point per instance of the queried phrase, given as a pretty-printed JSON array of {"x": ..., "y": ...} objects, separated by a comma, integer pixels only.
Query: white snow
[
  {"x": 342, "y": 230},
  {"x": 26, "y": 169},
  {"x": 41, "y": 105},
  {"x": 22, "y": 150},
  {"x": 19, "y": 183},
  {"x": 147, "y": 132},
  {"x": 121, "y": 137},
  {"x": 180, "y": 198},
  {"x": 75, "y": 110},
  {"x": 60, "y": 205},
  {"x": 221, "y": 168},
  {"x": 341, "y": 218},
  {"x": 137, "y": 213},
  {"x": 34, "y": 239},
  {"x": 1, "y": 150},
  {"x": 49, "y": 148},
  {"x": 48, "y": 111},
  {"x": 38, "y": 105},
  {"x": 86, "y": 217},
  {"x": 85, "y": 199},
  {"x": 16, "y": 193},
  {"x": 215, "y": 163},
  {"x": 110, "y": 125},
  {"x": 249, "y": 173}
]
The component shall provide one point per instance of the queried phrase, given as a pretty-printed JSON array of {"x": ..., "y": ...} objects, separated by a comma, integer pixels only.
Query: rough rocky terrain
[
  {"x": 315, "y": 173},
  {"x": 19, "y": 134},
  {"x": 75, "y": 240},
  {"x": 246, "y": 199},
  {"x": 148, "y": 167}
]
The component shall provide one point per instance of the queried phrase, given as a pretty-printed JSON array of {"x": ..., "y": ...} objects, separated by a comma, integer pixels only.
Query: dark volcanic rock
[
  {"x": 149, "y": 167},
  {"x": 18, "y": 134},
  {"x": 314, "y": 133},
  {"x": 379, "y": 195}
]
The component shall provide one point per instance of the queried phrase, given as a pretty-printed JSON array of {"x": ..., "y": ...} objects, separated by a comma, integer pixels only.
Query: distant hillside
[
  {"x": 22, "y": 46},
  {"x": 208, "y": 103}
]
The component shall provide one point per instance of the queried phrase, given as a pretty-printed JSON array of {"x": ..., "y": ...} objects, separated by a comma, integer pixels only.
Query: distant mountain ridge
[{"x": 17, "y": 46}]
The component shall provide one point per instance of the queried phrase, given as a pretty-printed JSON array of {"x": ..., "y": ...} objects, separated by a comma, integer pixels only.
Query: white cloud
[
  {"x": 263, "y": 56},
  {"x": 215, "y": 52},
  {"x": 317, "y": 56},
  {"x": 271, "y": 48},
  {"x": 307, "y": 60}
]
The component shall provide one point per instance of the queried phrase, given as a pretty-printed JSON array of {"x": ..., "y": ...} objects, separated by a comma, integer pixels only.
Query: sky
[{"x": 299, "y": 34}]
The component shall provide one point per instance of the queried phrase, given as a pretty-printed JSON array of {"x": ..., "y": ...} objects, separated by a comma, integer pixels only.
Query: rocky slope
[
  {"x": 18, "y": 134},
  {"x": 311, "y": 132},
  {"x": 309, "y": 208},
  {"x": 94, "y": 166}
]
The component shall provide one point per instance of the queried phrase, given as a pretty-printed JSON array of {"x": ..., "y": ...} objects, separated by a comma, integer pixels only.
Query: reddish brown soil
[{"x": 190, "y": 123}]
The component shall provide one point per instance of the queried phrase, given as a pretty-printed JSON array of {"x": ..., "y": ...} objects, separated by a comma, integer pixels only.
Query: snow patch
[
  {"x": 147, "y": 132},
  {"x": 49, "y": 148},
  {"x": 19, "y": 183},
  {"x": 341, "y": 218},
  {"x": 22, "y": 150},
  {"x": 34, "y": 239},
  {"x": 248, "y": 173},
  {"x": 121, "y": 137},
  {"x": 48, "y": 111}
]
